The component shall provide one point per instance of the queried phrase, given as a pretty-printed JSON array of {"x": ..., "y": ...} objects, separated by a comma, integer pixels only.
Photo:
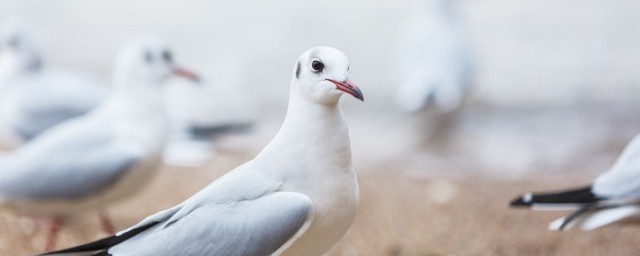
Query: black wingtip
[
  {"x": 213, "y": 131},
  {"x": 581, "y": 195},
  {"x": 101, "y": 247}
]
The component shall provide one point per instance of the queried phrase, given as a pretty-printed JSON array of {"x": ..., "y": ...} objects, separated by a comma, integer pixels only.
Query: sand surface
[{"x": 401, "y": 213}]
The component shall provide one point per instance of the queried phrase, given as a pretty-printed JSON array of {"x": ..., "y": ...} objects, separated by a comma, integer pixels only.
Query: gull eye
[
  {"x": 166, "y": 55},
  {"x": 317, "y": 66},
  {"x": 148, "y": 57},
  {"x": 13, "y": 42}
]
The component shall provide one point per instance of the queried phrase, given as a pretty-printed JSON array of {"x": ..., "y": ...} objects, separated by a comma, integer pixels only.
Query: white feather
[{"x": 605, "y": 217}]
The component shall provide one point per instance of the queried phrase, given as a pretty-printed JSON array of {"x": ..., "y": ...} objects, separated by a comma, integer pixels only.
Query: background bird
[
  {"x": 434, "y": 70},
  {"x": 108, "y": 154},
  {"x": 434, "y": 62},
  {"x": 34, "y": 96},
  {"x": 614, "y": 196},
  {"x": 296, "y": 197}
]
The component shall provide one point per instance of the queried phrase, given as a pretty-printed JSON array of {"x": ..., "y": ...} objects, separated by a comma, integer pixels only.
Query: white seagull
[
  {"x": 91, "y": 161},
  {"x": 613, "y": 197},
  {"x": 33, "y": 96},
  {"x": 434, "y": 59},
  {"x": 297, "y": 197}
]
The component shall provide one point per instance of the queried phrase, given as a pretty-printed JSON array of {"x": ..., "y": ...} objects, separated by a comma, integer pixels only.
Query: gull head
[
  {"x": 148, "y": 60},
  {"x": 320, "y": 75},
  {"x": 20, "y": 46}
]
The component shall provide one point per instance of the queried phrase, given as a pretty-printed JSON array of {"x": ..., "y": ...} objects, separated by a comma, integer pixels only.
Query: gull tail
[
  {"x": 595, "y": 218},
  {"x": 568, "y": 222},
  {"x": 210, "y": 132},
  {"x": 589, "y": 210},
  {"x": 101, "y": 247},
  {"x": 573, "y": 199}
]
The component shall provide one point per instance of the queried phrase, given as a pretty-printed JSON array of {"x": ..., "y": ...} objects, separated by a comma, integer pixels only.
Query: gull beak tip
[
  {"x": 188, "y": 74},
  {"x": 349, "y": 87},
  {"x": 360, "y": 96}
]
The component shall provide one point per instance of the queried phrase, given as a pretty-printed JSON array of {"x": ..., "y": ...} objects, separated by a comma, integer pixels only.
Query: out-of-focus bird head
[
  {"x": 320, "y": 75},
  {"x": 20, "y": 48},
  {"x": 149, "y": 61}
]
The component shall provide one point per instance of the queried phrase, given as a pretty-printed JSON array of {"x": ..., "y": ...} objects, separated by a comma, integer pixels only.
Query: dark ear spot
[
  {"x": 167, "y": 56},
  {"x": 298, "y": 70},
  {"x": 13, "y": 42},
  {"x": 148, "y": 57}
]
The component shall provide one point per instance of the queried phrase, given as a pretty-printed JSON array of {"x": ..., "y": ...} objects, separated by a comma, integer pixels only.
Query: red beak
[
  {"x": 178, "y": 71},
  {"x": 349, "y": 87}
]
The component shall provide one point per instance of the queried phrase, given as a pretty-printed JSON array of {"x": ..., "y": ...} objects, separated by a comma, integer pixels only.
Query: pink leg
[
  {"x": 55, "y": 223},
  {"x": 105, "y": 222}
]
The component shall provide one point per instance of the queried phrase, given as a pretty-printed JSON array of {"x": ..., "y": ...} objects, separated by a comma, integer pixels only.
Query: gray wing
[
  {"x": 256, "y": 227},
  {"x": 66, "y": 168},
  {"x": 35, "y": 121},
  {"x": 44, "y": 104},
  {"x": 252, "y": 227}
]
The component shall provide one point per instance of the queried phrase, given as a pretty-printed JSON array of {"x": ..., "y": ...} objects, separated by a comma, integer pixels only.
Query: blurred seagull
[
  {"x": 192, "y": 145},
  {"x": 34, "y": 97},
  {"x": 297, "y": 197},
  {"x": 196, "y": 122},
  {"x": 434, "y": 59},
  {"x": 613, "y": 197},
  {"x": 88, "y": 162}
]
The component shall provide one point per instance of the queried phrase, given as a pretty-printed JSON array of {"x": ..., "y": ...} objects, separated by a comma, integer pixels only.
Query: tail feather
[
  {"x": 590, "y": 211},
  {"x": 571, "y": 199},
  {"x": 593, "y": 218},
  {"x": 608, "y": 216},
  {"x": 101, "y": 247},
  {"x": 213, "y": 131},
  {"x": 576, "y": 215},
  {"x": 560, "y": 224}
]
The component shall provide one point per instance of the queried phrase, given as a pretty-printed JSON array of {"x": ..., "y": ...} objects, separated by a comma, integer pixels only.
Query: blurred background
[{"x": 553, "y": 100}]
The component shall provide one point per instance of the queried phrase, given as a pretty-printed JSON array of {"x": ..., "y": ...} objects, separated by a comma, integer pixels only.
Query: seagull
[
  {"x": 298, "y": 196},
  {"x": 91, "y": 161},
  {"x": 33, "y": 96},
  {"x": 434, "y": 59},
  {"x": 614, "y": 196}
]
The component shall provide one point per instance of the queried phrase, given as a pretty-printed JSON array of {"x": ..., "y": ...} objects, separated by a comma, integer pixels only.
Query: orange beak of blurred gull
[{"x": 185, "y": 73}]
